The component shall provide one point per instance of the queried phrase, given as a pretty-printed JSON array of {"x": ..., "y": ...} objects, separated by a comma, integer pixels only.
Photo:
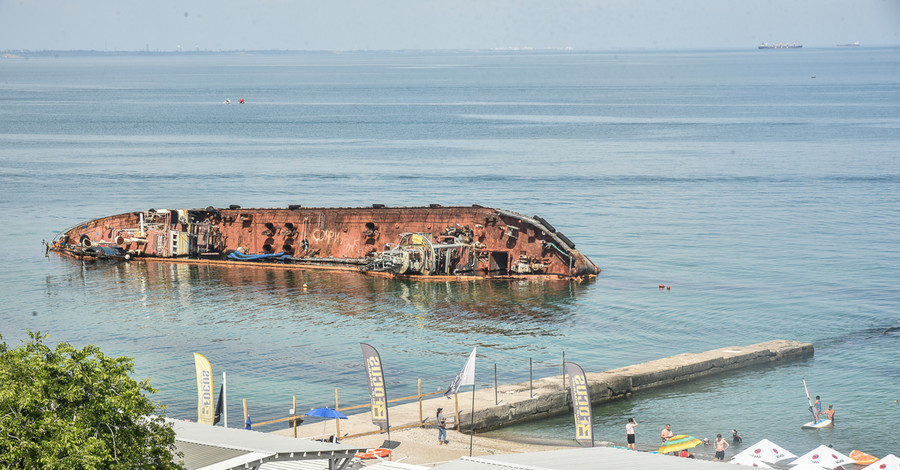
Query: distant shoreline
[{"x": 25, "y": 53}]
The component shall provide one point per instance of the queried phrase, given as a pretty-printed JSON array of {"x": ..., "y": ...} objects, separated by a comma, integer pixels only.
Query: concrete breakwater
[
  {"x": 518, "y": 403},
  {"x": 550, "y": 399}
]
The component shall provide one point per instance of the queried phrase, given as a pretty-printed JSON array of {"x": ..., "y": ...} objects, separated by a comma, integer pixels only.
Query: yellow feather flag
[{"x": 205, "y": 409}]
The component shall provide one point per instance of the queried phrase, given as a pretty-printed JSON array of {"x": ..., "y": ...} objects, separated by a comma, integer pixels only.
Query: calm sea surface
[{"x": 762, "y": 186}]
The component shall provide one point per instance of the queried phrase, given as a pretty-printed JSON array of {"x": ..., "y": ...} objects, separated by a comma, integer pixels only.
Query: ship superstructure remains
[{"x": 426, "y": 242}]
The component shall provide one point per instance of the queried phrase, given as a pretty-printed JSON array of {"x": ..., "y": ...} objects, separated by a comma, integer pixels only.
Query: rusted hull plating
[{"x": 417, "y": 242}]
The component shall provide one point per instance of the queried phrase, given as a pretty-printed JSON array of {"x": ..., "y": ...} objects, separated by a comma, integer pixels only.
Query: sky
[{"x": 329, "y": 25}]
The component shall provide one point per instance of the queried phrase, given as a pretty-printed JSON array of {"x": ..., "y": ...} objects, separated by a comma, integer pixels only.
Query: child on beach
[{"x": 442, "y": 427}]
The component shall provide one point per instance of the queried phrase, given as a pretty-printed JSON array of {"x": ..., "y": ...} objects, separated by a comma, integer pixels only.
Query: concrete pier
[{"x": 518, "y": 405}]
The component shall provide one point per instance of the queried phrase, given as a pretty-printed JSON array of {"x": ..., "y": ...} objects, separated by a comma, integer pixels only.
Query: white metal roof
[
  {"x": 321, "y": 465},
  {"x": 217, "y": 448},
  {"x": 578, "y": 458}
]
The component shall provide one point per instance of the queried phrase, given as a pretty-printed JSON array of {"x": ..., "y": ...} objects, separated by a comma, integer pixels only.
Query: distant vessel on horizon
[
  {"x": 780, "y": 45},
  {"x": 849, "y": 44}
]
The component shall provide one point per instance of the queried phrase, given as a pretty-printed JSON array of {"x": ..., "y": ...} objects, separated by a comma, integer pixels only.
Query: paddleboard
[{"x": 816, "y": 425}]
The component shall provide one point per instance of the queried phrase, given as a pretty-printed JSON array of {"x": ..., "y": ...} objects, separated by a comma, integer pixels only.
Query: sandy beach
[{"x": 420, "y": 446}]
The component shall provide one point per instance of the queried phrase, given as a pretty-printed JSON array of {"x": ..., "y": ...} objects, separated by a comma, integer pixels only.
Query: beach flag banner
[
  {"x": 465, "y": 377},
  {"x": 218, "y": 416},
  {"x": 204, "y": 390},
  {"x": 377, "y": 389},
  {"x": 581, "y": 405}
]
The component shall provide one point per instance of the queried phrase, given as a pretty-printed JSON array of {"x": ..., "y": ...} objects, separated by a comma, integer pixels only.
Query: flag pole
[
  {"x": 225, "y": 399},
  {"x": 472, "y": 428}
]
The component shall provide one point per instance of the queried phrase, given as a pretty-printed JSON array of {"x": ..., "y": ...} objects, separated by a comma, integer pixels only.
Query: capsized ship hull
[{"x": 432, "y": 242}]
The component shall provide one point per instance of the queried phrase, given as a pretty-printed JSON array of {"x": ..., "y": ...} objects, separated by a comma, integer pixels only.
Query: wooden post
[
  {"x": 294, "y": 416},
  {"x": 456, "y": 399},
  {"x": 245, "y": 412},
  {"x": 420, "y": 402},
  {"x": 337, "y": 422}
]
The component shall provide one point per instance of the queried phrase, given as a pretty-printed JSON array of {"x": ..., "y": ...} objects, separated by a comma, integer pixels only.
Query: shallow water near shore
[{"x": 768, "y": 200}]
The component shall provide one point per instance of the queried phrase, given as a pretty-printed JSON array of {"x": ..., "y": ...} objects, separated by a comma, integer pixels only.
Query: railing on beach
[{"x": 292, "y": 419}]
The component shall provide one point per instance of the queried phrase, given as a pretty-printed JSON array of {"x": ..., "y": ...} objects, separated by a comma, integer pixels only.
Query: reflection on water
[
  {"x": 287, "y": 331},
  {"x": 487, "y": 307}
]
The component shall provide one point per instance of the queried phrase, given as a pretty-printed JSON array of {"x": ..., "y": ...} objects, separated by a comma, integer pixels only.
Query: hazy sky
[{"x": 164, "y": 25}]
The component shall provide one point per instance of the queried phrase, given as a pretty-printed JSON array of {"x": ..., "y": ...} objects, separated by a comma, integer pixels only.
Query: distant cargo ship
[
  {"x": 851, "y": 44},
  {"x": 780, "y": 45}
]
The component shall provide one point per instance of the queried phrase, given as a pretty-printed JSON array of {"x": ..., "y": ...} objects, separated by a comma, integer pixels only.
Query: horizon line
[{"x": 404, "y": 50}]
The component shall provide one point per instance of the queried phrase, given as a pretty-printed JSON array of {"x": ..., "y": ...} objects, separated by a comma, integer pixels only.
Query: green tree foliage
[{"x": 77, "y": 408}]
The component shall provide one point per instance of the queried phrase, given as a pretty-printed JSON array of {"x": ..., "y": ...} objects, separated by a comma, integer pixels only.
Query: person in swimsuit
[
  {"x": 721, "y": 447},
  {"x": 629, "y": 432},
  {"x": 666, "y": 433},
  {"x": 817, "y": 409},
  {"x": 830, "y": 413}
]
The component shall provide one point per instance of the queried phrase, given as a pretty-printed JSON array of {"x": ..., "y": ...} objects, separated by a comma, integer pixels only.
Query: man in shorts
[{"x": 721, "y": 446}]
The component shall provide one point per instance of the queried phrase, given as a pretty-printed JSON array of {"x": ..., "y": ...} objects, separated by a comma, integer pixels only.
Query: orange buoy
[
  {"x": 661, "y": 286},
  {"x": 668, "y": 287}
]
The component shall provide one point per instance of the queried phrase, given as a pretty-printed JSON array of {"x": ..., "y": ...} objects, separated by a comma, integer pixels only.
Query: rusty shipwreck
[{"x": 431, "y": 242}]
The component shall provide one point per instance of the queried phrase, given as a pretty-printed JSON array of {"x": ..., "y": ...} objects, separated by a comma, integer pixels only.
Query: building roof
[
  {"x": 217, "y": 448},
  {"x": 593, "y": 457},
  {"x": 321, "y": 465}
]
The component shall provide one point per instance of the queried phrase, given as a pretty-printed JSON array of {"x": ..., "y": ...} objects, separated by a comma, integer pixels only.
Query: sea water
[{"x": 763, "y": 187}]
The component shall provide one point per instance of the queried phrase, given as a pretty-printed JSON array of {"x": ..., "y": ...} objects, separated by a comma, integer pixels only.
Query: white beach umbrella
[
  {"x": 823, "y": 456},
  {"x": 806, "y": 465},
  {"x": 888, "y": 462},
  {"x": 748, "y": 461},
  {"x": 765, "y": 451}
]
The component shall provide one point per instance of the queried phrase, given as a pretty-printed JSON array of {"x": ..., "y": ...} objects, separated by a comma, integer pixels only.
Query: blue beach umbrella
[{"x": 326, "y": 413}]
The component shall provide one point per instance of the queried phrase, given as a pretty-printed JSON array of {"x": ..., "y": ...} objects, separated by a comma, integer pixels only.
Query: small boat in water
[{"x": 433, "y": 242}]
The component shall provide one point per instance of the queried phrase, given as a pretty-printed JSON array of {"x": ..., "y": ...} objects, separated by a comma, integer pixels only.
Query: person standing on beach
[
  {"x": 721, "y": 447},
  {"x": 442, "y": 427},
  {"x": 629, "y": 432},
  {"x": 666, "y": 433}
]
